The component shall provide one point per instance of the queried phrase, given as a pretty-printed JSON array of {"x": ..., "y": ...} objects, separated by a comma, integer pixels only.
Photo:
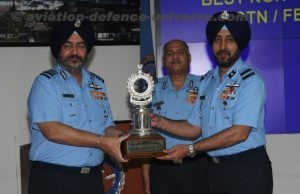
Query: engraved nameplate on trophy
[{"x": 143, "y": 142}]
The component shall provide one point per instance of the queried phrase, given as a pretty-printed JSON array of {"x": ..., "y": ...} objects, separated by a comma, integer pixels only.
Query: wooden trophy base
[{"x": 149, "y": 146}]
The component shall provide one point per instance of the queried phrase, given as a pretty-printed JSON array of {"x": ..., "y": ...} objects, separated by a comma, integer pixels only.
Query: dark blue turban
[
  {"x": 236, "y": 23},
  {"x": 63, "y": 30}
]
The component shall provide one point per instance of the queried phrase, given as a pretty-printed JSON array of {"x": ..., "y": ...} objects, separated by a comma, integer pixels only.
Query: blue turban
[{"x": 236, "y": 23}]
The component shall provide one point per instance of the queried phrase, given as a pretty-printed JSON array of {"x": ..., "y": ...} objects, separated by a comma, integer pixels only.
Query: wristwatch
[{"x": 192, "y": 152}]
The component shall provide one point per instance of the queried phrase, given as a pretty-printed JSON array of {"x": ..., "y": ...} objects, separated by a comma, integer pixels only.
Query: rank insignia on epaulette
[
  {"x": 94, "y": 86},
  {"x": 202, "y": 77},
  {"x": 96, "y": 76},
  {"x": 50, "y": 73},
  {"x": 164, "y": 85},
  {"x": 247, "y": 73},
  {"x": 232, "y": 73},
  {"x": 63, "y": 74}
]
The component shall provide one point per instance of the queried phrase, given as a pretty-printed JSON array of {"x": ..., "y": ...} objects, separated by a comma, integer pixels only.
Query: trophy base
[{"x": 149, "y": 146}]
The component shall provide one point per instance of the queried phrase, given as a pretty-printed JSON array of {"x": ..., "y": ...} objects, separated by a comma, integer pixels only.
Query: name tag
[{"x": 68, "y": 95}]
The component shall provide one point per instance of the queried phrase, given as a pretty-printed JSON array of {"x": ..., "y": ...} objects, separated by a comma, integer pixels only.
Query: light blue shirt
[
  {"x": 238, "y": 99},
  {"x": 56, "y": 96},
  {"x": 175, "y": 105}
]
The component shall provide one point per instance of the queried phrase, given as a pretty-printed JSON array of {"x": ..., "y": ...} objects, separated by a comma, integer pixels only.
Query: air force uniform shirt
[
  {"x": 56, "y": 96},
  {"x": 238, "y": 99},
  {"x": 175, "y": 105}
]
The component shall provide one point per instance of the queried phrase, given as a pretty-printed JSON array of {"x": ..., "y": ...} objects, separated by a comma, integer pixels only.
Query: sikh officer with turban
[
  {"x": 70, "y": 118},
  {"x": 229, "y": 114}
]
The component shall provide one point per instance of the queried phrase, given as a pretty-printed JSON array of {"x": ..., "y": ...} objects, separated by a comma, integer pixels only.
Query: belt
[
  {"x": 61, "y": 168},
  {"x": 228, "y": 158}
]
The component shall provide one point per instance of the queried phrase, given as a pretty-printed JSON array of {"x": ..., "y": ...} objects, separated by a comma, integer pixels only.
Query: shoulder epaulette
[
  {"x": 50, "y": 73},
  {"x": 93, "y": 75},
  {"x": 247, "y": 73},
  {"x": 205, "y": 75},
  {"x": 202, "y": 77},
  {"x": 164, "y": 84},
  {"x": 232, "y": 73},
  {"x": 161, "y": 80}
]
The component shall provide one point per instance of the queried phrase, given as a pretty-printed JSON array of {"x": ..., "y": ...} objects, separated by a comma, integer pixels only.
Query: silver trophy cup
[{"x": 144, "y": 142}]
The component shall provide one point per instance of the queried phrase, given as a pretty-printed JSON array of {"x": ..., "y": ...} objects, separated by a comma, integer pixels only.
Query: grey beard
[{"x": 75, "y": 67}]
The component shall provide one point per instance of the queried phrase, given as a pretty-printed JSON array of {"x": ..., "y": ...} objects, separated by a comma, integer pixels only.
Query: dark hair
[{"x": 176, "y": 40}]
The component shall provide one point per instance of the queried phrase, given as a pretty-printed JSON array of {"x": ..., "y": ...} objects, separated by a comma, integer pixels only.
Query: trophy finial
[
  {"x": 135, "y": 83},
  {"x": 140, "y": 68}
]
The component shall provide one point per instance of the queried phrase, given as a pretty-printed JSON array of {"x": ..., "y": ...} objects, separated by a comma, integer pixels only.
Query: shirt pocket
[
  {"x": 102, "y": 112},
  {"x": 71, "y": 111},
  {"x": 228, "y": 107}
]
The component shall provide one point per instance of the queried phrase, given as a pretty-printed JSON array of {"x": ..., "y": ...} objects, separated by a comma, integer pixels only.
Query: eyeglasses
[{"x": 78, "y": 46}]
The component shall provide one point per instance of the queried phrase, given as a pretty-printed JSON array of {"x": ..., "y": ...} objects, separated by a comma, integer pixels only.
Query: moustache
[
  {"x": 74, "y": 57},
  {"x": 175, "y": 61},
  {"x": 222, "y": 52}
]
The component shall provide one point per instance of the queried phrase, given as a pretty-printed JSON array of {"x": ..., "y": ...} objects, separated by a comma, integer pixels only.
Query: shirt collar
[
  {"x": 235, "y": 67},
  {"x": 65, "y": 74},
  {"x": 169, "y": 84}
]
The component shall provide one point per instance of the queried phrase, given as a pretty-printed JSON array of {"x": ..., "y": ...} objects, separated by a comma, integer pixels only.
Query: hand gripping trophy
[{"x": 144, "y": 142}]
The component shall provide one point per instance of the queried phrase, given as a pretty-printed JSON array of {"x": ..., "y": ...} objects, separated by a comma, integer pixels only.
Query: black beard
[{"x": 231, "y": 60}]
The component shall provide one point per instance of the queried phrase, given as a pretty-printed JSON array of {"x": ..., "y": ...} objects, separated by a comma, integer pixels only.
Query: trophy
[{"x": 143, "y": 142}]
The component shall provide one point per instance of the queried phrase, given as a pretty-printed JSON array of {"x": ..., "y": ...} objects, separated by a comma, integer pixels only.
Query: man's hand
[
  {"x": 175, "y": 153},
  {"x": 157, "y": 121},
  {"x": 176, "y": 127},
  {"x": 112, "y": 146}
]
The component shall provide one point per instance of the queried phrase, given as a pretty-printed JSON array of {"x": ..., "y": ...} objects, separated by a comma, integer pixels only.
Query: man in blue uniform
[
  {"x": 69, "y": 115},
  {"x": 230, "y": 114},
  {"x": 174, "y": 97}
]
